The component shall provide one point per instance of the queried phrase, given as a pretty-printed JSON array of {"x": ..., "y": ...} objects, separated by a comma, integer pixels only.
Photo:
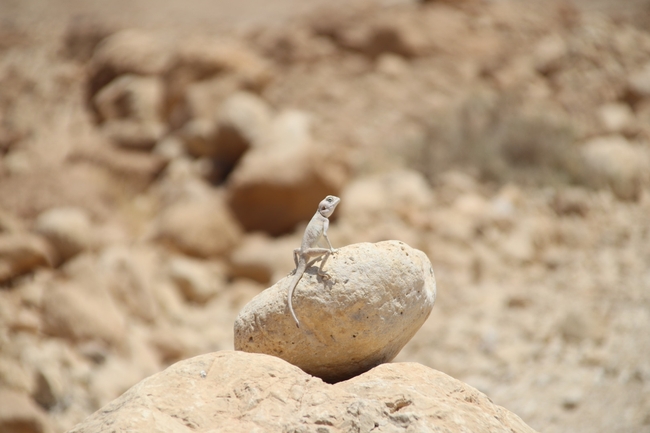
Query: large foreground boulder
[
  {"x": 376, "y": 298},
  {"x": 244, "y": 392}
]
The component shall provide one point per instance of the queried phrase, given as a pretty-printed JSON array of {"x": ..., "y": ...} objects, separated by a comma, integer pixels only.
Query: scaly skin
[{"x": 308, "y": 251}]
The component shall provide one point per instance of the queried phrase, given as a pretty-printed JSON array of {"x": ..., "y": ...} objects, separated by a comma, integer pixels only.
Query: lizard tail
[{"x": 296, "y": 279}]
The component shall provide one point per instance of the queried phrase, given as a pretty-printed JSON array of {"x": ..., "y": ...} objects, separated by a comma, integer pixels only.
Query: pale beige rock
[
  {"x": 243, "y": 392},
  {"x": 198, "y": 280},
  {"x": 130, "y": 275},
  {"x": 128, "y": 51},
  {"x": 549, "y": 53},
  {"x": 203, "y": 59},
  {"x": 19, "y": 414},
  {"x": 377, "y": 297},
  {"x": 639, "y": 82},
  {"x": 68, "y": 229},
  {"x": 616, "y": 117},
  {"x": 278, "y": 184},
  {"x": 80, "y": 313},
  {"x": 133, "y": 134},
  {"x": 260, "y": 257},
  {"x": 133, "y": 97},
  {"x": 394, "y": 205},
  {"x": 244, "y": 122},
  {"x": 617, "y": 163},
  {"x": 22, "y": 252},
  {"x": 14, "y": 375},
  {"x": 201, "y": 228}
]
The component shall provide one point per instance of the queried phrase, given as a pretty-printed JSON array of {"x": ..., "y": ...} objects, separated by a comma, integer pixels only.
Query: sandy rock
[
  {"x": 22, "y": 252},
  {"x": 133, "y": 134},
  {"x": 82, "y": 36},
  {"x": 81, "y": 313},
  {"x": 278, "y": 184},
  {"x": 376, "y": 299},
  {"x": 127, "y": 52},
  {"x": 198, "y": 136},
  {"x": 251, "y": 392},
  {"x": 201, "y": 228},
  {"x": 549, "y": 53},
  {"x": 13, "y": 375},
  {"x": 19, "y": 414},
  {"x": 259, "y": 257},
  {"x": 615, "y": 162},
  {"x": 197, "y": 280},
  {"x": 571, "y": 201},
  {"x": 68, "y": 229},
  {"x": 393, "y": 205},
  {"x": 202, "y": 59},
  {"x": 639, "y": 82},
  {"x": 130, "y": 274},
  {"x": 616, "y": 117},
  {"x": 131, "y": 97},
  {"x": 242, "y": 122},
  {"x": 203, "y": 99},
  {"x": 136, "y": 168}
]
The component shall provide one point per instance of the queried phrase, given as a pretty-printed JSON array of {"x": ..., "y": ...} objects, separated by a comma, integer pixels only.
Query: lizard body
[{"x": 308, "y": 250}]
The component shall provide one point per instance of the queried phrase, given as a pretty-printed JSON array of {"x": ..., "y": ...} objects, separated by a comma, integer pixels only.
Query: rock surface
[
  {"x": 377, "y": 297},
  {"x": 18, "y": 413},
  {"x": 243, "y": 392}
]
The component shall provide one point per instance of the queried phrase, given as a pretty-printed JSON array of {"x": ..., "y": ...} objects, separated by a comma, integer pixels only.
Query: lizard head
[{"x": 327, "y": 206}]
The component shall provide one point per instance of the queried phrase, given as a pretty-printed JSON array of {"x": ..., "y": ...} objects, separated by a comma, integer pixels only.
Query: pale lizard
[{"x": 308, "y": 251}]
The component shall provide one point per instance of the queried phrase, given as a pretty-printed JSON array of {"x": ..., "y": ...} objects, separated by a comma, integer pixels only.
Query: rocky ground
[{"x": 153, "y": 181}]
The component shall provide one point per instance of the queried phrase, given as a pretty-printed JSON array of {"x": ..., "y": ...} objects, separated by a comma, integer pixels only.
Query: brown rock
[
  {"x": 201, "y": 59},
  {"x": 22, "y": 252},
  {"x": 131, "y": 97},
  {"x": 133, "y": 134},
  {"x": 68, "y": 230},
  {"x": 127, "y": 52},
  {"x": 376, "y": 298},
  {"x": 249, "y": 392},
  {"x": 201, "y": 228},
  {"x": 19, "y": 414},
  {"x": 137, "y": 168},
  {"x": 197, "y": 280},
  {"x": 615, "y": 162},
  {"x": 279, "y": 183},
  {"x": 259, "y": 257}
]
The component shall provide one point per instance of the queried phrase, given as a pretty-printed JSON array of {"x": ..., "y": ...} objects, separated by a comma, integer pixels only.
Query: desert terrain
[{"x": 159, "y": 163}]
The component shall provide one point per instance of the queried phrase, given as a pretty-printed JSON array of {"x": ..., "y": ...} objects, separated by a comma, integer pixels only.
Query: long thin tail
[{"x": 300, "y": 270}]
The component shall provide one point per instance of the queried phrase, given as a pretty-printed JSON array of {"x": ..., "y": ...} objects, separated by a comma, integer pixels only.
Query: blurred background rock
[{"x": 159, "y": 161}]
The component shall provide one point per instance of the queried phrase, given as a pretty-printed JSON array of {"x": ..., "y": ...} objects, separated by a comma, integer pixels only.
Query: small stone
[
  {"x": 18, "y": 413},
  {"x": 201, "y": 228},
  {"x": 80, "y": 314},
  {"x": 376, "y": 298},
  {"x": 639, "y": 82},
  {"x": 21, "y": 253},
  {"x": 133, "y": 134},
  {"x": 613, "y": 161},
  {"x": 278, "y": 184},
  {"x": 68, "y": 229},
  {"x": 131, "y": 97},
  {"x": 572, "y": 399},
  {"x": 197, "y": 280},
  {"x": 616, "y": 118}
]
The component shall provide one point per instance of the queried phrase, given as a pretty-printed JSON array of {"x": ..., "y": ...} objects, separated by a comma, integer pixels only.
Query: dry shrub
[{"x": 501, "y": 139}]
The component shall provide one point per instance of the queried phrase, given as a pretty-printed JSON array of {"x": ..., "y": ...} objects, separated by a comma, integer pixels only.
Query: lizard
[{"x": 308, "y": 251}]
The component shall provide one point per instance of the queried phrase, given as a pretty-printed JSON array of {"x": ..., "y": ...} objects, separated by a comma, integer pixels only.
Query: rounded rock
[{"x": 376, "y": 298}]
